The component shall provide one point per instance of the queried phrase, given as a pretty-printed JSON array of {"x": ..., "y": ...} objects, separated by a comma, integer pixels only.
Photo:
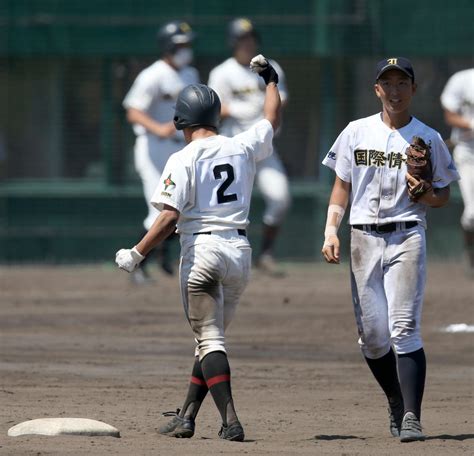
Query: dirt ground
[{"x": 82, "y": 342}]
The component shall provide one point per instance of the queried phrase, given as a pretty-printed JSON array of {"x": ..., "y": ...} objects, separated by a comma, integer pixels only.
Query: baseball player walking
[
  {"x": 150, "y": 108},
  {"x": 371, "y": 158},
  {"x": 242, "y": 96},
  {"x": 458, "y": 103},
  {"x": 206, "y": 192}
]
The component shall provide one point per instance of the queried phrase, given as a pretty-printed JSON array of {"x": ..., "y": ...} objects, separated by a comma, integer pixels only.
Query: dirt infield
[{"x": 81, "y": 342}]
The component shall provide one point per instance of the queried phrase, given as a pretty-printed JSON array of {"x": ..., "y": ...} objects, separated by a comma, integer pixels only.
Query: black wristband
[{"x": 269, "y": 75}]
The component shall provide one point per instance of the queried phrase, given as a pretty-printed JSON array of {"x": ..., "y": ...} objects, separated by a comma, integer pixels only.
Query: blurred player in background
[
  {"x": 458, "y": 103},
  {"x": 150, "y": 108},
  {"x": 242, "y": 95}
]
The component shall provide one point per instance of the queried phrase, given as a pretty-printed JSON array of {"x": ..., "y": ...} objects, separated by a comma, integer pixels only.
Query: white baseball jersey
[
  {"x": 458, "y": 97},
  {"x": 243, "y": 91},
  {"x": 210, "y": 181},
  {"x": 371, "y": 156},
  {"x": 155, "y": 91}
]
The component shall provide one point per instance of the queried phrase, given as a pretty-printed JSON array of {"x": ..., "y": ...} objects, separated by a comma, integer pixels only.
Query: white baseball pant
[
  {"x": 214, "y": 271},
  {"x": 464, "y": 158},
  {"x": 273, "y": 183},
  {"x": 388, "y": 274},
  {"x": 151, "y": 155}
]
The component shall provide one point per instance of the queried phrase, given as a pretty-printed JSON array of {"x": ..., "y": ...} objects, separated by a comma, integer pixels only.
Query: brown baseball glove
[{"x": 419, "y": 166}]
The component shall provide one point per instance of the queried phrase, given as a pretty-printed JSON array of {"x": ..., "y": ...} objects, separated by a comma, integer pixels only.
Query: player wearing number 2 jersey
[{"x": 205, "y": 192}]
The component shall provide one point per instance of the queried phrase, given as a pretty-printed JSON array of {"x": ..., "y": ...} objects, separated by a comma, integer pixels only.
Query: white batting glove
[
  {"x": 260, "y": 65},
  {"x": 128, "y": 259}
]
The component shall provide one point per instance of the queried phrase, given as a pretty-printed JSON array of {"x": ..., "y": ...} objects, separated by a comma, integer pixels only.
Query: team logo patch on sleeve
[
  {"x": 331, "y": 155},
  {"x": 168, "y": 182}
]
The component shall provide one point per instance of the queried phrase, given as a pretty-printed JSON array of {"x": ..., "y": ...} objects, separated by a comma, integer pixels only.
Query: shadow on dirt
[
  {"x": 337, "y": 437},
  {"x": 460, "y": 437}
]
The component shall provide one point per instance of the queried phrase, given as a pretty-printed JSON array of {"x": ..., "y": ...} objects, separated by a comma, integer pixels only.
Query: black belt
[
  {"x": 388, "y": 228},
  {"x": 241, "y": 232}
]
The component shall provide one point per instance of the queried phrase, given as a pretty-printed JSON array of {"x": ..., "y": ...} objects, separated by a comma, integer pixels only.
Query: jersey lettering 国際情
[{"x": 371, "y": 156}]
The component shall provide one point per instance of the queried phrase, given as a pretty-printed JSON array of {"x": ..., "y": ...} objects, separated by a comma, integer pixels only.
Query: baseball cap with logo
[
  {"x": 240, "y": 28},
  {"x": 174, "y": 33},
  {"x": 395, "y": 63}
]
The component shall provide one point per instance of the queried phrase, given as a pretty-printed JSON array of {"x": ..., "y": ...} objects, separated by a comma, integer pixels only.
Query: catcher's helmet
[
  {"x": 240, "y": 28},
  {"x": 197, "y": 105},
  {"x": 174, "y": 33}
]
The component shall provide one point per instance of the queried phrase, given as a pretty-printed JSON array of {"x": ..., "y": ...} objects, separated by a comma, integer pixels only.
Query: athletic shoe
[
  {"x": 396, "y": 417},
  {"x": 411, "y": 428},
  {"x": 267, "y": 264},
  {"x": 233, "y": 432},
  {"x": 167, "y": 267},
  {"x": 140, "y": 277},
  {"x": 181, "y": 428}
]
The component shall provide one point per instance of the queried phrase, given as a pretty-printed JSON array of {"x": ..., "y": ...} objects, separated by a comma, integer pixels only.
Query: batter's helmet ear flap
[
  {"x": 197, "y": 106},
  {"x": 239, "y": 28},
  {"x": 172, "y": 34}
]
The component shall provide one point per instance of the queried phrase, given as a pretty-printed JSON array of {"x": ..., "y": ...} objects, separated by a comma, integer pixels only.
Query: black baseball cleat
[
  {"x": 167, "y": 267},
  {"x": 181, "y": 428},
  {"x": 233, "y": 432},
  {"x": 140, "y": 277},
  {"x": 396, "y": 418},
  {"x": 411, "y": 429}
]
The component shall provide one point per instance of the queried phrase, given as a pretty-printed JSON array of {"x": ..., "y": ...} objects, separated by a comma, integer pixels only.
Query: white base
[
  {"x": 459, "y": 328},
  {"x": 64, "y": 426}
]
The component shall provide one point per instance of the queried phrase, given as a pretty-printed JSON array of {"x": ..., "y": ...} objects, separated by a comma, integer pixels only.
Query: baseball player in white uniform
[
  {"x": 150, "y": 107},
  {"x": 242, "y": 94},
  {"x": 458, "y": 103},
  {"x": 388, "y": 252},
  {"x": 205, "y": 192}
]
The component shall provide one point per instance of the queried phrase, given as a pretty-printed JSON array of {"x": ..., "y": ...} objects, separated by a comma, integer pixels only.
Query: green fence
[
  {"x": 82, "y": 223},
  {"x": 323, "y": 28},
  {"x": 68, "y": 189}
]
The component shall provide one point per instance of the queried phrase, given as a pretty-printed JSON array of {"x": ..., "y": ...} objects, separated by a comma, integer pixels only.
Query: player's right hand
[
  {"x": 260, "y": 65},
  {"x": 128, "y": 259},
  {"x": 330, "y": 249}
]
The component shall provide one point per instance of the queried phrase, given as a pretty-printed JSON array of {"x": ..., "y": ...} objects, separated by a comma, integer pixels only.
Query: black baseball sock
[
  {"x": 216, "y": 370},
  {"x": 385, "y": 372},
  {"x": 412, "y": 371},
  {"x": 269, "y": 234},
  {"x": 196, "y": 393}
]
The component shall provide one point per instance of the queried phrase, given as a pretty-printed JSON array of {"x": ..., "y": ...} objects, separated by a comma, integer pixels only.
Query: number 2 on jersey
[{"x": 229, "y": 171}]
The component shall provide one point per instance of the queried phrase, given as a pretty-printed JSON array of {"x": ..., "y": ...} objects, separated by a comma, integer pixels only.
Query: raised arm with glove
[{"x": 272, "y": 107}]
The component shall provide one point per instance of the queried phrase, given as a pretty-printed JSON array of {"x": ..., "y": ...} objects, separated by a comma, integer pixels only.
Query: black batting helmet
[
  {"x": 174, "y": 33},
  {"x": 197, "y": 105},
  {"x": 240, "y": 28}
]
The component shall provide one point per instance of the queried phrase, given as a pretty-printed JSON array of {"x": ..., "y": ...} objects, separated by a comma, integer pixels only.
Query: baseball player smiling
[
  {"x": 206, "y": 192},
  {"x": 388, "y": 252}
]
